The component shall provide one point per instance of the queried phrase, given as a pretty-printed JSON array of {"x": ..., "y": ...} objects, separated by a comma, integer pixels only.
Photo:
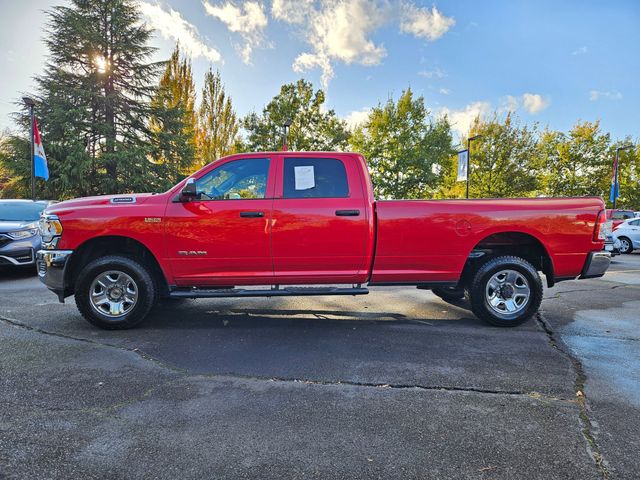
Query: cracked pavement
[{"x": 394, "y": 384}]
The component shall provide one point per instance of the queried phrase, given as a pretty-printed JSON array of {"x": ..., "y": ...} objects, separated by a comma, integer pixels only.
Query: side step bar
[{"x": 272, "y": 292}]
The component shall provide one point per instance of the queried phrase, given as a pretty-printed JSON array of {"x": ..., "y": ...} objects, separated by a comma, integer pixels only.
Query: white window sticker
[{"x": 305, "y": 178}]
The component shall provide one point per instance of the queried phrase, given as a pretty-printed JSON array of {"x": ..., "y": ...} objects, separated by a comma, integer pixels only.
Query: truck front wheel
[
  {"x": 505, "y": 291},
  {"x": 115, "y": 292}
]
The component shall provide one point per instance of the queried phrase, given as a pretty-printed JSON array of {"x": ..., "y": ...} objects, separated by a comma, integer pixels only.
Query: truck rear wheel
[
  {"x": 505, "y": 291},
  {"x": 115, "y": 292}
]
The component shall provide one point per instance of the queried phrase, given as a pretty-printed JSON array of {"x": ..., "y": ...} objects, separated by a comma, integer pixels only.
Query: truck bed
[{"x": 430, "y": 240}]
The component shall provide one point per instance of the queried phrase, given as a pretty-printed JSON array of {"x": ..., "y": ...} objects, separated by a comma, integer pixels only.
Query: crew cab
[{"x": 307, "y": 223}]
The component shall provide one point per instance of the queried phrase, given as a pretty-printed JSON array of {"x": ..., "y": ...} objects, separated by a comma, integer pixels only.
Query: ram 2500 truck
[{"x": 308, "y": 224}]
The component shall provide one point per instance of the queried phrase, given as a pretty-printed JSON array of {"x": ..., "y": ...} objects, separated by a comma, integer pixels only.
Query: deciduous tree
[
  {"x": 312, "y": 127},
  {"x": 406, "y": 148}
]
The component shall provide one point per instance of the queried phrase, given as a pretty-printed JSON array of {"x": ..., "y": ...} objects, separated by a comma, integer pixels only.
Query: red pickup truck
[{"x": 307, "y": 223}]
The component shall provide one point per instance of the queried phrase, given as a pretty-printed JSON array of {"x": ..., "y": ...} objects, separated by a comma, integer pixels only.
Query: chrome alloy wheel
[
  {"x": 507, "y": 292},
  {"x": 113, "y": 293}
]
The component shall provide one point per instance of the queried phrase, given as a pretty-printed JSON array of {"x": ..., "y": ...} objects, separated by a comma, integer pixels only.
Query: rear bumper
[
  {"x": 596, "y": 265},
  {"x": 52, "y": 265}
]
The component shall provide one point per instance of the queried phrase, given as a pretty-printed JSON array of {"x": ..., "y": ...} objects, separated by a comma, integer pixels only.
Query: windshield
[{"x": 20, "y": 211}]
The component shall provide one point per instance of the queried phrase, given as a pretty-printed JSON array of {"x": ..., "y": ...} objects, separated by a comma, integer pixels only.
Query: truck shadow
[{"x": 205, "y": 317}]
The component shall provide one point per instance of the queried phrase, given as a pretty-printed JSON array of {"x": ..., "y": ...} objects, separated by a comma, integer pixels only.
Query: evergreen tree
[
  {"x": 312, "y": 127},
  {"x": 93, "y": 99},
  {"x": 173, "y": 123},
  {"x": 218, "y": 124},
  {"x": 405, "y": 147}
]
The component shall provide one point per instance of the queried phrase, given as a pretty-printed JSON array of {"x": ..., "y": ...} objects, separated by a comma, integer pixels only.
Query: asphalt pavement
[{"x": 396, "y": 384}]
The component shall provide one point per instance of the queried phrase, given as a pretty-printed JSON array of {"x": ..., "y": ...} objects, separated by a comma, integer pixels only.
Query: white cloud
[
  {"x": 580, "y": 51},
  {"x": 461, "y": 120},
  {"x": 435, "y": 73},
  {"x": 509, "y": 103},
  {"x": 341, "y": 30},
  {"x": 357, "y": 117},
  {"x": 249, "y": 21},
  {"x": 424, "y": 23},
  {"x": 292, "y": 11},
  {"x": 534, "y": 102},
  {"x": 444, "y": 91},
  {"x": 595, "y": 95},
  {"x": 172, "y": 26}
]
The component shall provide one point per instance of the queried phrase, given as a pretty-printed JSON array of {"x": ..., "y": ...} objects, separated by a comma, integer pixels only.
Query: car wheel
[
  {"x": 625, "y": 245},
  {"x": 505, "y": 291},
  {"x": 449, "y": 294},
  {"x": 115, "y": 292}
]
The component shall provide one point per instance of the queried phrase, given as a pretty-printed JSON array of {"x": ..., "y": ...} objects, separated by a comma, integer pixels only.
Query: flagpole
[{"x": 30, "y": 103}]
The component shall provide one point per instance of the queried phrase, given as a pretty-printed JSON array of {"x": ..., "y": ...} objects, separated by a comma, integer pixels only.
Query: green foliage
[
  {"x": 218, "y": 124},
  {"x": 312, "y": 127},
  {"x": 173, "y": 121},
  {"x": 578, "y": 163},
  {"x": 503, "y": 159},
  {"x": 405, "y": 147}
]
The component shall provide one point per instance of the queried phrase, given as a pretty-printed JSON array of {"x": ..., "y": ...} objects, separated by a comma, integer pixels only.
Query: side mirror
[{"x": 189, "y": 191}]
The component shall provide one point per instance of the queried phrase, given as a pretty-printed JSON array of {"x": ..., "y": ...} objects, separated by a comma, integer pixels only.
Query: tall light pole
[
  {"x": 28, "y": 101},
  {"x": 285, "y": 131},
  {"x": 469, "y": 160},
  {"x": 615, "y": 179}
]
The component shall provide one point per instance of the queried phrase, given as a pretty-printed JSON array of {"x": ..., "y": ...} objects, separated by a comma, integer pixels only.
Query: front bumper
[
  {"x": 52, "y": 266},
  {"x": 596, "y": 265},
  {"x": 18, "y": 252}
]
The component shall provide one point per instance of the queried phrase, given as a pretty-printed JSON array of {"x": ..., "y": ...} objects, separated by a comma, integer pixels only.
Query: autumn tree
[
  {"x": 405, "y": 146},
  {"x": 218, "y": 123},
  {"x": 173, "y": 121},
  {"x": 312, "y": 128}
]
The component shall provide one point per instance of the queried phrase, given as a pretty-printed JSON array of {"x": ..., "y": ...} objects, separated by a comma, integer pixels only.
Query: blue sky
[{"x": 552, "y": 62}]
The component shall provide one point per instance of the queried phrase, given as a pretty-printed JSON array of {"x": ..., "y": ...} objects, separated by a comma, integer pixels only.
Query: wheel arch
[
  {"x": 522, "y": 244},
  {"x": 101, "y": 246}
]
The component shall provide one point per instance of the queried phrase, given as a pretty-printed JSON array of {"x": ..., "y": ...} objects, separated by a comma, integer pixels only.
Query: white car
[{"x": 628, "y": 232}]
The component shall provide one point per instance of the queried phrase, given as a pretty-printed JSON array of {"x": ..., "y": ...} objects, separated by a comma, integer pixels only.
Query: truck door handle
[
  {"x": 347, "y": 213},
  {"x": 251, "y": 214}
]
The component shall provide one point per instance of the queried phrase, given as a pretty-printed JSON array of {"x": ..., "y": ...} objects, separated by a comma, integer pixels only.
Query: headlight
[
  {"x": 50, "y": 230},
  {"x": 22, "y": 234}
]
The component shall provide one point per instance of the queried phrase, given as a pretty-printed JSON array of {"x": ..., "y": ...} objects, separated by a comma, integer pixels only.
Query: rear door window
[{"x": 315, "y": 178}]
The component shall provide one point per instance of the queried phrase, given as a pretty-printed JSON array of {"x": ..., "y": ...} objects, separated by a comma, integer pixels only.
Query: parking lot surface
[{"x": 394, "y": 384}]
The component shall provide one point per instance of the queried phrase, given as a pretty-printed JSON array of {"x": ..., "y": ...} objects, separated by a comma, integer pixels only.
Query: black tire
[
  {"x": 478, "y": 292},
  {"x": 141, "y": 279},
  {"x": 449, "y": 294},
  {"x": 626, "y": 246}
]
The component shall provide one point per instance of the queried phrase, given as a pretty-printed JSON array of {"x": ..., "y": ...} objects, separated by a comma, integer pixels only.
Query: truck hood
[
  {"x": 101, "y": 200},
  {"x": 14, "y": 226}
]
